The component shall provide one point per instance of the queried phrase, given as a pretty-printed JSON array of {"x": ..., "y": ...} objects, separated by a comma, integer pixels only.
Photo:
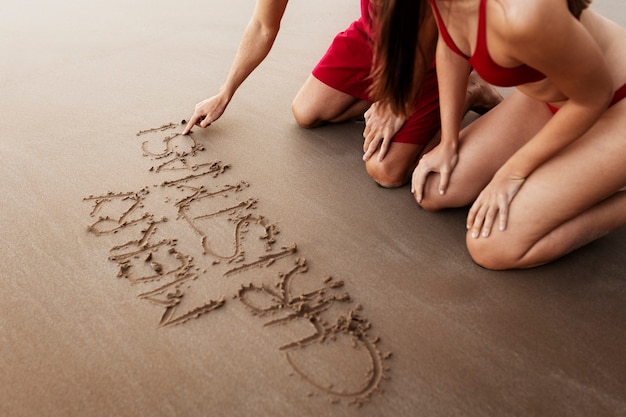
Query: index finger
[{"x": 191, "y": 123}]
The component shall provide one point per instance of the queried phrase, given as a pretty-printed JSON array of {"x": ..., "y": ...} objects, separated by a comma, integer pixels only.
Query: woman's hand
[
  {"x": 206, "y": 112},
  {"x": 493, "y": 202},
  {"x": 441, "y": 159},
  {"x": 381, "y": 124}
]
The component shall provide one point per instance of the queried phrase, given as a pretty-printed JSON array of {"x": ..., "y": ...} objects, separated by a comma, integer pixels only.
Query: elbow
[
  {"x": 270, "y": 31},
  {"x": 267, "y": 25},
  {"x": 262, "y": 29}
]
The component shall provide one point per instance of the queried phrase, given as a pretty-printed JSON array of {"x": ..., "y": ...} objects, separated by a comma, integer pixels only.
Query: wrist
[
  {"x": 449, "y": 142},
  {"x": 225, "y": 94},
  {"x": 511, "y": 172}
]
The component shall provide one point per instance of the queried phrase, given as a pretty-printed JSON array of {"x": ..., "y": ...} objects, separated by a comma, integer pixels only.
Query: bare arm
[
  {"x": 565, "y": 52},
  {"x": 452, "y": 73},
  {"x": 255, "y": 44},
  {"x": 555, "y": 43}
]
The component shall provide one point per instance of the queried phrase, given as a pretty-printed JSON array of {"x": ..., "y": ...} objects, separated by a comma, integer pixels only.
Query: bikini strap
[
  {"x": 481, "y": 34},
  {"x": 444, "y": 32}
]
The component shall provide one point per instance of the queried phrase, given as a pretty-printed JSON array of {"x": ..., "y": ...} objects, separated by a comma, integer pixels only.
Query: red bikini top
[{"x": 481, "y": 60}]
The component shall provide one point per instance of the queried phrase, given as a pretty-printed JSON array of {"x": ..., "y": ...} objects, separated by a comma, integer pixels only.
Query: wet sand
[{"x": 253, "y": 268}]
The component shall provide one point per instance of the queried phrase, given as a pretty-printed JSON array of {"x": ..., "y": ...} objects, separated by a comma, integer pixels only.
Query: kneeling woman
[{"x": 545, "y": 171}]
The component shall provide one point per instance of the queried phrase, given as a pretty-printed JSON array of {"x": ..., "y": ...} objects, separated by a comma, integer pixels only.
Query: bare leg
[
  {"x": 484, "y": 146},
  {"x": 316, "y": 104},
  {"x": 395, "y": 170},
  {"x": 569, "y": 201}
]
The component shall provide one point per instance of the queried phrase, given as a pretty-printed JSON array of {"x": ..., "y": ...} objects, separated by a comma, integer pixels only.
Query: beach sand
[{"x": 253, "y": 268}]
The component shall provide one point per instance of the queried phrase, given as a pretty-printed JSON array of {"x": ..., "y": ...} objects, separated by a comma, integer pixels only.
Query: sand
[{"x": 253, "y": 268}]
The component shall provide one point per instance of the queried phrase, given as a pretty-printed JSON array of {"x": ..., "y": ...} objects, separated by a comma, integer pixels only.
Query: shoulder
[{"x": 528, "y": 20}]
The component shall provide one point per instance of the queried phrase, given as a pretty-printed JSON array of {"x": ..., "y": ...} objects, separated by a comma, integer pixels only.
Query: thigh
[
  {"x": 317, "y": 101},
  {"x": 484, "y": 146},
  {"x": 338, "y": 87},
  {"x": 582, "y": 175}
]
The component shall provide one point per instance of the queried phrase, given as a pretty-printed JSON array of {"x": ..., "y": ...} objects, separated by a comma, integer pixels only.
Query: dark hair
[
  {"x": 405, "y": 39},
  {"x": 577, "y": 6}
]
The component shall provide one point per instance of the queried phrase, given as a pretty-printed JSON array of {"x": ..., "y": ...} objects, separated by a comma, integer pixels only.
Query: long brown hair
[{"x": 405, "y": 39}]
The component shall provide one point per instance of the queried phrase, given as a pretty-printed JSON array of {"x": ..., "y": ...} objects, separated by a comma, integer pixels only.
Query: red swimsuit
[
  {"x": 490, "y": 70},
  {"x": 481, "y": 60}
]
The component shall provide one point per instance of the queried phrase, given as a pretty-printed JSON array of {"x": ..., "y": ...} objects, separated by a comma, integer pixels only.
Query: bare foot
[{"x": 481, "y": 96}]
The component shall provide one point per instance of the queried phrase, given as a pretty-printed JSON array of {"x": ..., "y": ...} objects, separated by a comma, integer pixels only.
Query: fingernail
[
  {"x": 474, "y": 235},
  {"x": 485, "y": 234},
  {"x": 442, "y": 192}
]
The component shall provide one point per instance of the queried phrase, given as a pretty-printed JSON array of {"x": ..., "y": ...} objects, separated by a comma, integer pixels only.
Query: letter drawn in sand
[
  {"x": 173, "y": 144},
  {"x": 310, "y": 307},
  {"x": 130, "y": 202},
  {"x": 234, "y": 242}
]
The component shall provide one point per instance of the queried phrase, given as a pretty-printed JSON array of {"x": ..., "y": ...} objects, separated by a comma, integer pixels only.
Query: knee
[
  {"x": 432, "y": 201},
  {"x": 385, "y": 174},
  {"x": 303, "y": 115},
  {"x": 432, "y": 205},
  {"x": 493, "y": 254},
  {"x": 454, "y": 197}
]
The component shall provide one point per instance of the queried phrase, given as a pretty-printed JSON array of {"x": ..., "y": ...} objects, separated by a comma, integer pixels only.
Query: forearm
[
  {"x": 452, "y": 73},
  {"x": 565, "y": 127},
  {"x": 256, "y": 43},
  {"x": 578, "y": 71},
  {"x": 252, "y": 50}
]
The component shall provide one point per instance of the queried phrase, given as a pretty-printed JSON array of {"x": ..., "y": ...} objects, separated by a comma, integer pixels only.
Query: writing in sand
[{"x": 195, "y": 240}]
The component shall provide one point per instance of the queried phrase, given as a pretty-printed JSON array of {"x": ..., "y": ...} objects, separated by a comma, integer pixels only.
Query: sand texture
[{"x": 253, "y": 268}]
